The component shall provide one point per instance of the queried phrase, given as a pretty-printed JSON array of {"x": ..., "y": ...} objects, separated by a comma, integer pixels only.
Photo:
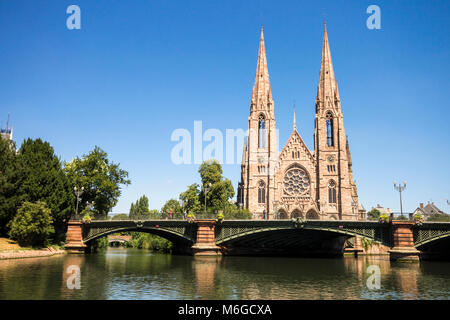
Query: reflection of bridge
[
  {"x": 118, "y": 239},
  {"x": 207, "y": 237}
]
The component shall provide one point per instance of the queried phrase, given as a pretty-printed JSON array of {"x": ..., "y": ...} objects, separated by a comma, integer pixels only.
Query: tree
[
  {"x": 373, "y": 214},
  {"x": 172, "y": 206},
  {"x": 8, "y": 186},
  {"x": 32, "y": 224},
  {"x": 100, "y": 178},
  {"x": 40, "y": 177},
  {"x": 221, "y": 189},
  {"x": 140, "y": 208},
  {"x": 439, "y": 217},
  {"x": 121, "y": 216},
  {"x": 190, "y": 199}
]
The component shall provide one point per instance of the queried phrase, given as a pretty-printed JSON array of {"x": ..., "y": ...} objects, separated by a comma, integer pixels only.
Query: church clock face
[
  {"x": 296, "y": 182},
  {"x": 330, "y": 159}
]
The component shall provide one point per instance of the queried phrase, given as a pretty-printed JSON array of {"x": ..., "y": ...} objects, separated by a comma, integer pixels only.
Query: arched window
[
  {"x": 261, "y": 132},
  {"x": 332, "y": 192},
  {"x": 329, "y": 121},
  {"x": 261, "y": 192}
]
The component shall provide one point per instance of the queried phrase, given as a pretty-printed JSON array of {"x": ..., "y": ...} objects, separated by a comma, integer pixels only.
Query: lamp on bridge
[
  {"x": 205, "y": 191},
  {"x": 400, "y": 188},
  {"x": 322, "y": 204},
  {"x": 78, "y": 193}
]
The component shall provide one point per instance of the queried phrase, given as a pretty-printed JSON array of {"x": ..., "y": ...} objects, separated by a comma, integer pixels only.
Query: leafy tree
[
  {"x": 140, "y": 208},
  {"x": 439, "y": 217},
  {"x": 190, "y": 199},
  {"x": 40, "y": 177},
  {"x": 221, "y": 189},
  {"x": 100, "y": 178},
  {"x": 174, "y": 207},
  {"x": 8, "y": 186},
  {"x": 32, "y": 224},
  {"x": 121, "y": 216},
  {"x": 373, "y": 214}
]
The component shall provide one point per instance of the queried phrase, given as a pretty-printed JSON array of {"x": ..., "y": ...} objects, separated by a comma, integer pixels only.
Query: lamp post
[
  {"x": 322, "y": 204},
  {"x": 78, "y": 193},
  {"x": 205, "y": 191},
  {"x": 400, "y": 188}
]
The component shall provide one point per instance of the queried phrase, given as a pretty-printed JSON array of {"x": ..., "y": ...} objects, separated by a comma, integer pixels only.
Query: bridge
[
  {"x": 118, "y": 239},
  {"x": 406, "y": 240}
]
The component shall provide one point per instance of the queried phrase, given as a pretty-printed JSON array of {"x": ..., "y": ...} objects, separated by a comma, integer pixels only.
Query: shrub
[{"x": 32, "y": 225}]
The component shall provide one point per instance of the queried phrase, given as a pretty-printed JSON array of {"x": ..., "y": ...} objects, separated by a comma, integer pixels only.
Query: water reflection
[{"x": 139, "y": 274}]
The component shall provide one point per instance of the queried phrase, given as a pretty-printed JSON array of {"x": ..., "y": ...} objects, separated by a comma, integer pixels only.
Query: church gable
[{"x": 296, "y": 149}]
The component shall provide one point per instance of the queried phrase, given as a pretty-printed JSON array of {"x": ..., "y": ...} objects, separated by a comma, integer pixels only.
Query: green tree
[
  {"x": 373, "y": 214},
  {"x": 32, "y": 225},
  {"x": 101, "y": 179},
  {"x": 174, "y": 207},
  {"x": 139, "y": 208},
  {"x": 190, "y": 199},
  {"x": 439, "y": 217},
  {"x": 8, "y": 185},
  {"x": 40, "y": 177},
  {"x": 121, "y": 216},
  {"x": 221, "y": 189}
]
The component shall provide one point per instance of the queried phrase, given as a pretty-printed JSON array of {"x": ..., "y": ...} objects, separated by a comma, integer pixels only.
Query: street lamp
[
  {"x": 205, "y": 191},
  {"x": 400, "y": 188},
  {"x": 78, "y": 193},
  {"x": 448, "y": 202},
  {"x": 322, "y": 204}
]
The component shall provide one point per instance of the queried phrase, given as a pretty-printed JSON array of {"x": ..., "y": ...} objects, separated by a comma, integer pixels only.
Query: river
[{"x": 120, "y": 273}]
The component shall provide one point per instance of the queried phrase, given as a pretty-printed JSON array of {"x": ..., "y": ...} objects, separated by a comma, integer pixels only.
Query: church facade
[{"x": 297, "y": 182}]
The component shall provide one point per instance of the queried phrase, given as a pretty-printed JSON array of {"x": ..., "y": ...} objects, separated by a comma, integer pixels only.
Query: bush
[{"x": 32, "y": 225}]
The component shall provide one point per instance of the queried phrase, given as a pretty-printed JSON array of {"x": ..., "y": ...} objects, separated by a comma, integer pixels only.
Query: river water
[{"x": 120, "y": 273}]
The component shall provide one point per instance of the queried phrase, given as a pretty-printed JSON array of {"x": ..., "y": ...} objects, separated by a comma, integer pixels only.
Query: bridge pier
[
  {"x": 74, "y": 238},
  {"x": 206, "y": 239},
  {"x": 403, "y": 242}
]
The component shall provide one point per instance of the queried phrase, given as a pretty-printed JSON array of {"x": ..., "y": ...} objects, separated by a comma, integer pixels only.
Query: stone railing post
[
  {"x": 74, "y": 238},
  {"x": 205, "y": 244},
  {"x": 403, "y": 242}
]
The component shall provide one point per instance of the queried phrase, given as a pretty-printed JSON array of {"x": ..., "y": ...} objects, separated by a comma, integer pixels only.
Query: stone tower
[
  {"x": 332, "y": 153},
  {"x": 259, "y": 159}
]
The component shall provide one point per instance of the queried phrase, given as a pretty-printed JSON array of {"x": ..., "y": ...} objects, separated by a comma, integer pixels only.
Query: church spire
[
  {"x": 327, "y": 82},
  {"x": 295, "y": 122},
  {"x": 262, "y": 93}
]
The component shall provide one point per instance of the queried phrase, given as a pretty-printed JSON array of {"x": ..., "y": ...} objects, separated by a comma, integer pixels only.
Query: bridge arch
[
  {"x": 285, "y": 236},
  {"x": 171, "y": 235}
]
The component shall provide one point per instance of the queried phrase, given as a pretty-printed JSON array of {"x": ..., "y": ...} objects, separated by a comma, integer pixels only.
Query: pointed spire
[
  {"x": 349, "y": 156},
  {"x": 262, "y": 92},
  {"x": 327, "y": 82},
  {"x": 295, "y": 122}
]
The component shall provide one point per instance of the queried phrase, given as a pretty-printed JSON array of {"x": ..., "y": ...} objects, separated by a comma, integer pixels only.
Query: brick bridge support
[
  {"x": 74, "y": 238},
  {"x": 403, "y": 248},
  {"x": 206, "y": 240}
]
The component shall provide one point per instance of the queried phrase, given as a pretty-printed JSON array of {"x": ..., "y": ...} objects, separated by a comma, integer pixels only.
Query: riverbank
[{"x": 10, "y": 249}]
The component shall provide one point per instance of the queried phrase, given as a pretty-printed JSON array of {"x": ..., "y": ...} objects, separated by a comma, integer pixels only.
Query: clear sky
[{"x": 138, "y": 70}]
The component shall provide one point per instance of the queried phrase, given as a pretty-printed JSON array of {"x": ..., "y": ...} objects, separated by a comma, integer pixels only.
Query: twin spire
[{"x": 262, "y": 93}]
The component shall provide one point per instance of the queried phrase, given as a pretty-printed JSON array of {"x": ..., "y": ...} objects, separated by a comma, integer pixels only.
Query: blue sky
[{"x": 138, "y": 70}]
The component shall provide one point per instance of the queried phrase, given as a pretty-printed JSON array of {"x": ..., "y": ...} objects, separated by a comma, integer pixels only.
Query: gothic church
[{"x": 298, "y": 182}]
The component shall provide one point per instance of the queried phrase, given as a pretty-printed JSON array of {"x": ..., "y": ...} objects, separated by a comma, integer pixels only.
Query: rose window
[{"x": 296, "y": 182}]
